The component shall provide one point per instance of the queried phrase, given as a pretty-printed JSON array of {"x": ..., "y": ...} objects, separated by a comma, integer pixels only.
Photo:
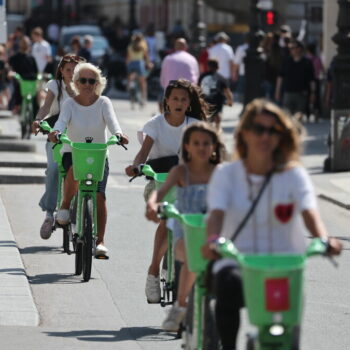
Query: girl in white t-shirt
[
  {"x": 183, "y": 105},
  {"x": 267, "y": 142},
  {"x": 58, "y": 91},
  {"x": 201, "y": 152}
]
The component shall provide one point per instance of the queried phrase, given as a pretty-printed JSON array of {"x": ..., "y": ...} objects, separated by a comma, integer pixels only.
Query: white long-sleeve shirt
[{"x": 87, "y": 121}]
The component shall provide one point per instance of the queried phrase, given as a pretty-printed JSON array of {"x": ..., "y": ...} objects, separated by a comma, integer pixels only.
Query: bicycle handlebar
[
  {"x": 227, "y": 249},
  {"x": 63, "y": 138}
]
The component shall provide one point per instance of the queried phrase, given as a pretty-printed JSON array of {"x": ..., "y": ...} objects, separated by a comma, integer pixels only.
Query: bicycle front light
[{"x": 276, "y": 330}]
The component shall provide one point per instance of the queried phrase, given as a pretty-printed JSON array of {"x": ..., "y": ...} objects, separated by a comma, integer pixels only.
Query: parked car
[{"x": 100, "y": 44}]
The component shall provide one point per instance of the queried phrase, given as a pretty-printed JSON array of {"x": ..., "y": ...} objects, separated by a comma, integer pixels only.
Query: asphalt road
[{"x": 110, "y": 311}]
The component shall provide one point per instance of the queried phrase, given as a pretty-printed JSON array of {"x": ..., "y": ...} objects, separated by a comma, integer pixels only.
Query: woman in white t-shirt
[
  {"x": 58, "y": 91},
  {"x": 267, "y": 142},
  {"x": 88, "y": 114},
  {"x": 183, "y": 105}
]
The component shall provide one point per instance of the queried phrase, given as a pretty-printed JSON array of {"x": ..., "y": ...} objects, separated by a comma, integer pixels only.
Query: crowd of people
[{"x": 181, "y": 141}]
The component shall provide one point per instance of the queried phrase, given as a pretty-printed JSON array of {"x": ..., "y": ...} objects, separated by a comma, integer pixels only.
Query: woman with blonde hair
[
  {"x": 137, "y": 62},
  {"x": 268, "y": 175},
  {"x": 88, "y": 114}
]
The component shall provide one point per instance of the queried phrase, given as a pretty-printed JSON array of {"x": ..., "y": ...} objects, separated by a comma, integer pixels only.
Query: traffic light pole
[
  {"x": 254, "y": 61},
  {"x": 340, "y": 115}
]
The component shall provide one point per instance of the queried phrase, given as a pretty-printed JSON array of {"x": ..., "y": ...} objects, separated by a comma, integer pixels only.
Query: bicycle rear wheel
[
  {"x": 87, "y": 241},
  {"x": 26, "y": 121}
]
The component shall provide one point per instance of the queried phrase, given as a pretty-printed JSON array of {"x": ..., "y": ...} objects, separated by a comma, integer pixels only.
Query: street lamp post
[
  {"x": 254, "y": 61},
  {"x": 132, "y": 15},
  {"x": 340, "y": 116},
  {"x": 199, "y": 27}
]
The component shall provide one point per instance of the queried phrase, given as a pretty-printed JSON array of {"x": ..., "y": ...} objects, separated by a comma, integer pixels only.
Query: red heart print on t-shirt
[{"x": 284, "y": 212}]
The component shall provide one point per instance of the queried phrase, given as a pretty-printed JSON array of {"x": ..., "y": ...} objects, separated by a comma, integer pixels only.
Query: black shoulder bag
[{"x": 253, "y": 206}]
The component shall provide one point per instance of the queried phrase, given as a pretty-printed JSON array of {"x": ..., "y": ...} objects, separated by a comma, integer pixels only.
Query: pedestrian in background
[
  {"x": 223, "y": 53},
  {"x": 239, "y": 69},
  {"x": 75, "y": 45},
  {"x": 298, "y": 80},
  {"x": 179, "y": 65},
  {"x": 316, "y": 107},
  {"x": 41, "y": 49},
  {"x": 25, "y": 65},
  {"x": 138, "y": 62},
  {"x": 85, "y": 51},
  {"x": 215, "y": 92}
]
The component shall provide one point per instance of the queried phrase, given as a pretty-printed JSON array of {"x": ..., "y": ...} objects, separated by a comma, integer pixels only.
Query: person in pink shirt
[{"x": 179, "y": 65}]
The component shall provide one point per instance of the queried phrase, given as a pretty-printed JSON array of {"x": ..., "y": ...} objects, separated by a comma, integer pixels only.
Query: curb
[
  {"x": 17, "y": 307},
  {"x": 334, "y": 201}
]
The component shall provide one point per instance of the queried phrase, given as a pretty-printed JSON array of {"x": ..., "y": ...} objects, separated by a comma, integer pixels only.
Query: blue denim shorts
[
  {"x": 101, "y": 186},
  {"x": 138, "y": 67}
]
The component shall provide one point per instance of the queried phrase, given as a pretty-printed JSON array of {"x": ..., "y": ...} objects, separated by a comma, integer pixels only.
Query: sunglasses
[
  {"x": 91, "y": 81},
  {"x": 259, "y": 130},
  {"x": 74, "y": 59}
]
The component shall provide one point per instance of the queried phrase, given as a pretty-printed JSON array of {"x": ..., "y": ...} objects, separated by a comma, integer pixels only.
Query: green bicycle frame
[
  {"x": 195, "y": 237},
  {"x": 170, "y": 197}
]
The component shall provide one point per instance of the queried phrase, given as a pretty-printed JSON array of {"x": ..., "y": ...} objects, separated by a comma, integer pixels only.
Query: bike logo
[{"x": 90, "y": 160}]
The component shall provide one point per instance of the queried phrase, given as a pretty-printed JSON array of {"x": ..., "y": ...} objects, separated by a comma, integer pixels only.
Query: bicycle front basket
[
  {"x": 89, "y": 158},
  {"x": 28, "y": 87}
]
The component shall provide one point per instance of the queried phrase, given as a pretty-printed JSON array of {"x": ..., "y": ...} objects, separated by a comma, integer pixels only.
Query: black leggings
[{"x": 227, "y": 287}]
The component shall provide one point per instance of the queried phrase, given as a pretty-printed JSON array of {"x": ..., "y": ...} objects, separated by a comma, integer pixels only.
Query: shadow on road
[
  {"x": 123, "y": 334},
  {"x": 54, "y": 278},
  {"x": 40, "y": 250}
]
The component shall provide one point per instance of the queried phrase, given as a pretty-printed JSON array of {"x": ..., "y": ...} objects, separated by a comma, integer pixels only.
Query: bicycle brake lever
[{"x": 120, "y": 144}]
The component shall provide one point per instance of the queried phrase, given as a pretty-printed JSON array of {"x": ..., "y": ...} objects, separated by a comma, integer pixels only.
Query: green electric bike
[
  {"x": 199, "y": 329},
  {"x": 169, "y": 279},
  {"x": 88, "y": 168},
  {"x": 273, "y": 293}
]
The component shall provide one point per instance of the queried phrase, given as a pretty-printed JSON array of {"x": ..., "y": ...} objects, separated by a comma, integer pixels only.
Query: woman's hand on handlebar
[
  {"x": 208, "y": 251},
  {"x": 35, "y": 127},
  {"x": 152, "y": 211},
  {"x": 334, "y": 246},
  {"x": 53, "y": 136},
  {"x": 124, "y": 139},
  {"x": 131, "y": 170}
]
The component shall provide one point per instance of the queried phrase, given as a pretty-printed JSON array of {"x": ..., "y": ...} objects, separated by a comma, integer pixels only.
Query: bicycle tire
[
  {"x": 211, "y": 339},
  {"x": 87, "y": 240},
  {"x": 78, "y": 258},
  {"x": 66, "y": 230},
  {"x": 28, "y": 116},
  {"x": 188, "y": 336}
]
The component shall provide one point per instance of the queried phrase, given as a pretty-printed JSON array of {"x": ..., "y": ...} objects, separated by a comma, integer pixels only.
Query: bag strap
[{"x": 252, "y": 207}]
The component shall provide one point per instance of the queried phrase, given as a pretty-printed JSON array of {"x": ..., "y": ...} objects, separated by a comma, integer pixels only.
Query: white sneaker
[
  {"x": 174, "y": 318},
  {"x": 62, "y": 216},
  {"x": 46, "y": 228},
  {"x": 152, "y": 289},
  {"x": 101, "y": 250}
]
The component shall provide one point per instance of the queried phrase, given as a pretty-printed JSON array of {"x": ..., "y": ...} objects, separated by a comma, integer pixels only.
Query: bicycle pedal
[{"x": 102, "y": 257}]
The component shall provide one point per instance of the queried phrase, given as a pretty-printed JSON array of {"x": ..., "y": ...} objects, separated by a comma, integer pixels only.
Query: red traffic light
[{"x": 270, "y": 18}]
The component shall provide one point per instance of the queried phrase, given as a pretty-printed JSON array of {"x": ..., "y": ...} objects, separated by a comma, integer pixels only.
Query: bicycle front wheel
[{"x": 87, "y": 240}]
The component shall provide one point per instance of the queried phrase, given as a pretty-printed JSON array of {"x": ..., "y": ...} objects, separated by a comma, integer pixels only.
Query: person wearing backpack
[{"x": 215, "y": 91}]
